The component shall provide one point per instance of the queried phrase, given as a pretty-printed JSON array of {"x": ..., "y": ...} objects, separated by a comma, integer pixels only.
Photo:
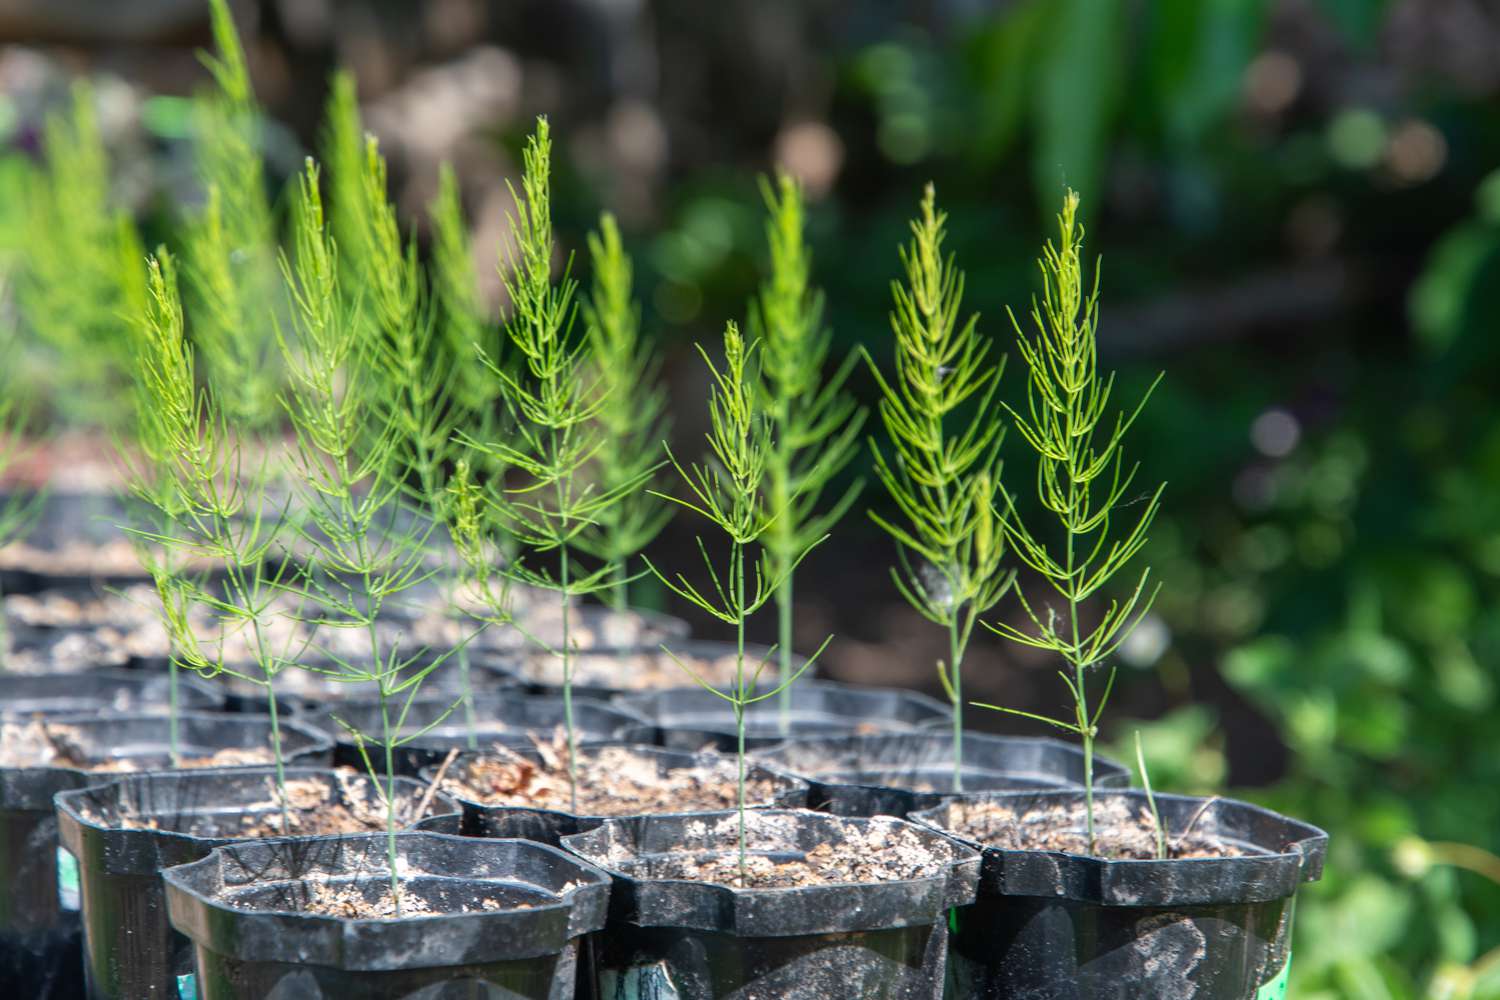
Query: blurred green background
[{"x": 1298, "y": 210}]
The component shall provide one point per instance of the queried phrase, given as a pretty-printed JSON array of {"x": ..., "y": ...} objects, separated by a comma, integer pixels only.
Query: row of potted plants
[
  {"x": 963, "y": 898},
  {"x": 373, "y": 521}
]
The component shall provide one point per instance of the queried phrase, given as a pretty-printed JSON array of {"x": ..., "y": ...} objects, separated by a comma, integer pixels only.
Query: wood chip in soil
[
  {"x": 1123, "y": 828},
  {"x": 612, "y": 781}
]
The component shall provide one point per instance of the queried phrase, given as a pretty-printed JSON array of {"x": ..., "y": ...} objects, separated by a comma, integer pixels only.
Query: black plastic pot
[
  {"x": 669, "y": 937},
  {"x": 40, "y": 951},
  {"x": 245, "y": 908},
  {"x": 130, "y": 950},
  {"x": 100, "y": 691},
  {"x": 892, "y": 774},
  {"x": 1068, "y": 927},
  {"x": 549, "y": 826},
  {"x": 692, "y": 718},
  {"x": 511, "y": 719}
]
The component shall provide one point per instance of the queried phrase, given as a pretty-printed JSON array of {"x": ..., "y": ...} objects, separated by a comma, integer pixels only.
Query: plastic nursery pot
[
  {"x": 607, "y": 673},
  {"x": 99, "y": 691},
  {"x": 691, "y": 718},
  {"x": 488, "y": 918},
  {"x": 1066, "y": 926},
  {"x": 549, "y": 825},
  {"x": 39, "y": 927},
  {"x": 125, "y": 832},
  {"x": 670, "y": 935},
  {"x": 512, "y": 719},
  {"x": 893, "y": 774}
]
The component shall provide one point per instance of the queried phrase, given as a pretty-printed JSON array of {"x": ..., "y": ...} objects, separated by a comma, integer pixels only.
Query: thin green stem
[
  {"x": 567, "y": 668},
  {"x": 739, "y": 702},
  {"x": 173, "y": 722},
  {"x": 466, "y": 687},
  {"x": 277, "y": 756},
  {"x": 784, "y": 651},
  {"x": 389, "y": 740},
  {"x": 618, "y": 593},
  {"x": 955, "y": 684}
]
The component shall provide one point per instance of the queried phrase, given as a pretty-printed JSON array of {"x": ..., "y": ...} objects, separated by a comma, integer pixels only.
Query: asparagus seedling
[
  {"x": 815, "y": 425},
  {"x": 551, "y": 402},
  {"x": 944, "y": 473},
  {"x": 350, "y": 461},
  {"x": 231, "y": 244},
  {"x": 632, "y": 412},
  {"x": 728, "y": 490},
  {"x": 1082, "y": 480},
  {"x": 81, "y": 273},
  {"x": 210, "y": 508}
]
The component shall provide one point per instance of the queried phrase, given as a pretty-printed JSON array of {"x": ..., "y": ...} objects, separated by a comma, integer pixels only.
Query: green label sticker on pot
[
  {"x": 187, "y": 987},
  {"x": 1276, "y": 988},
  {"x": 67, "y": 880}
]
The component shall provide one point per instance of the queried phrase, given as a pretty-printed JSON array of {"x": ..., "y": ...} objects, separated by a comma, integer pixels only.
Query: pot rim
[
  {"x": 1295, "y": 856},
  {"x": 577, "y": 905},
  {"x": 783, "y": 911}
]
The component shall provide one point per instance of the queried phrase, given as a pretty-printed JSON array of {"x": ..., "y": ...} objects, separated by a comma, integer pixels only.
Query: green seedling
[
  {"x": 81, "y": 274},
  {"x": 211, "y": 507},
  {"x": 552, "y": 401},
  {"x": 943, "y": 470},
  {"x": 350, "y": 462},
  {"x": 631, "y": 416},
  {"x": 815, "y": 425},
  {"x": 1083, "y": 482},
  {"x": 728, "y": 490}
]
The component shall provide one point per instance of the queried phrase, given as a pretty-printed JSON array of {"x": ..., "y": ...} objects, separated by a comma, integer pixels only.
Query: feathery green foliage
[
  {"x": 350, "y": 465},
  {"x": 462, "y": 318},
  {"x": 552, "y": 436},
  {"x": 344, "y": 154},
  {"x": 394, "y": 287},
  {"x": 632, "y": 411},
  {"x": 815, "y": 424},
  {"x": 231, "y": 244},
  {"x": 944, "y": 473},
  {"x": 728, "y": 490},
  {"x": 81, "y": 275},
  {"x": 1082, "y": 479},
  {"x": 210, "y": 508}
]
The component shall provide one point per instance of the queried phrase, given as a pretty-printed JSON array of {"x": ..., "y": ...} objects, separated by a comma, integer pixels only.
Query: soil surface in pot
[
  {"x": 1123, "y": 831},
  {"x": 876, "y": 851},
  {"x": 612, "y": 781},
  {"x": 369, "y": 897},
  {"x": 39, "y": 743},
  {"x": 313, "y": 810}
]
